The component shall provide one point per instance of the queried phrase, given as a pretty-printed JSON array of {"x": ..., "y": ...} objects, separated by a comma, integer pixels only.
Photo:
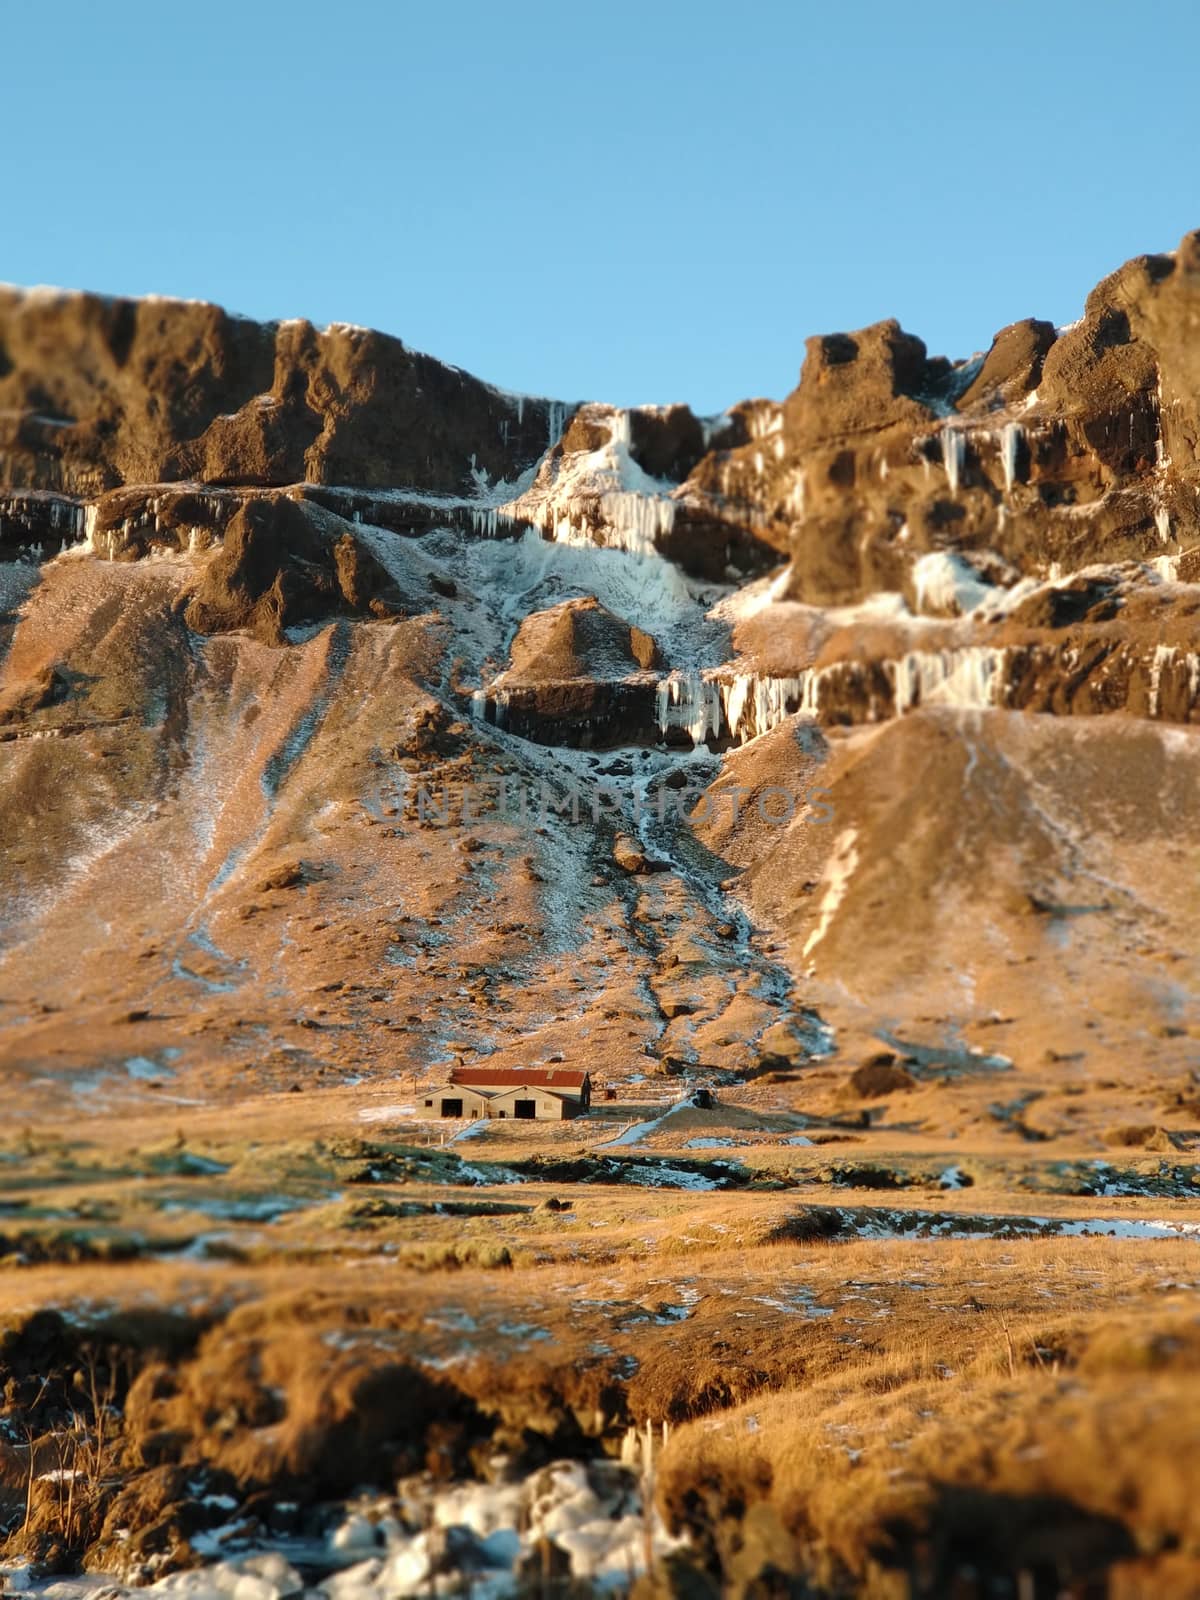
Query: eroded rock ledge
[{"x": 263, "y": 451}]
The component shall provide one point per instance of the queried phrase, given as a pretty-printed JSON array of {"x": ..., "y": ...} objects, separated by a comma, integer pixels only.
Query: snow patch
[
  {"x": 946, "y": 582},
  {"x": 840, "y": 870}
]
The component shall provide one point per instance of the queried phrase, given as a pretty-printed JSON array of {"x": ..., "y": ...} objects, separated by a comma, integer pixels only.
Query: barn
[{"x": 522, "y": 1094}]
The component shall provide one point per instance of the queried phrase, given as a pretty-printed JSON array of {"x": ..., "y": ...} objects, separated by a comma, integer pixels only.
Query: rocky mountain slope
[
  {"x": 357, "y": 717},
  {"x": 838, "y": 756}
]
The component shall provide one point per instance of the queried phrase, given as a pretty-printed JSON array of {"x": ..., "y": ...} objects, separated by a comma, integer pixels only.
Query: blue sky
[{"x": 627, "y": 202}]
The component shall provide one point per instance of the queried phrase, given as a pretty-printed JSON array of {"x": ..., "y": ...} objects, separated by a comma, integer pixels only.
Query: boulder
[{"x": 579, "y": 639}]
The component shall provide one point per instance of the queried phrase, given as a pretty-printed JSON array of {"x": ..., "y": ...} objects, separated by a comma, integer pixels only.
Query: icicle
[
  {"x": 954, "y": 455},
  {"x": 637, "y": 521},
  {"x": 90, "y": 517},
  {"x": 489, "y": 521},
  {"x": 1010, "y": 441},
  {"x": 1163, "y": 655},
  {"x": 621, "y": 428},
  {"x": 777, "y": 698},
  {"x": 735, "y": 698},
  {"x": 691, "y": 703},
  {"x": 556, "y": 422},
  {"x": 747, "y": 704},
  {"x": 1161, "y": 459},
  {"x": 971, "y": 678}
]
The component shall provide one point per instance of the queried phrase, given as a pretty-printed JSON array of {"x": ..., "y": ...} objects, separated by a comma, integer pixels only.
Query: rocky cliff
[{"x": 317, "y": 654}]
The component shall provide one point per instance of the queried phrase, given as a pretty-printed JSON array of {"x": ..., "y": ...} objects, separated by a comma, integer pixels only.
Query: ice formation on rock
[
  {"x": 794, "y": 503},
  {"x": 767, "y": 700},
  {"x": 1166, "y": 567},
  {"x": 970, "y": 678},
  {"x": 556, "y": 422},
  {"x": 954, "y": 455},
  {"x": 621, "y": 428},
  {"x": 744, "y": 705},
  {"x": 688, "y": 701},
  {"x": 945, "y": 582},
  {"x": 636, "y": 522},
  {"x": 596, "y": 497},
  {"x": 88, "y": 528},
  {"x": 1167, "y": 655},
  {"x": 764, "y": 421},
  {"x": 1163, "y": 655},
  {"x": 1010, "y": 443}
]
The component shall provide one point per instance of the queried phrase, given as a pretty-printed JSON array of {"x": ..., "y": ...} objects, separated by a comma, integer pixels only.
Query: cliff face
[
  {"x": 97, "y": 393},
  {"x": 1054, "y": 451},
  {"x": 262, "y": 584}
]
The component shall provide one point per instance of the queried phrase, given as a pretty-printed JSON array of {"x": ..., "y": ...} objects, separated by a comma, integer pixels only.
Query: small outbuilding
[{"x": 542, "y": 1094}]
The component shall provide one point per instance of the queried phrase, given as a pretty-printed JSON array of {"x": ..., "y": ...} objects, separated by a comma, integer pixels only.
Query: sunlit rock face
[{"x": 317, "y": 653}]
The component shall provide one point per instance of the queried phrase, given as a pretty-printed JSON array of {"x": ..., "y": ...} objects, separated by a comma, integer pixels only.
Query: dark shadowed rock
[
  {"x": 285, "y": 562},
  {"x": 96, "y": 392},
  {"x": 874, "y": 1079}
]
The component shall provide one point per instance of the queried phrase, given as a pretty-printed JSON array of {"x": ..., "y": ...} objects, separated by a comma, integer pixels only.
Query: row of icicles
[
  {"x": 747, "y": 705},
  {"x": 744, "y": 706}
]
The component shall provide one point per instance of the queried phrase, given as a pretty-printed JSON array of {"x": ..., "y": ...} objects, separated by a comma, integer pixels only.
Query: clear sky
[{"x": 621, "y": 201}]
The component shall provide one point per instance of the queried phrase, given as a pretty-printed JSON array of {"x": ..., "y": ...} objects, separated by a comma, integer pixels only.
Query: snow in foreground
[{"x": 472, "y": 1537}]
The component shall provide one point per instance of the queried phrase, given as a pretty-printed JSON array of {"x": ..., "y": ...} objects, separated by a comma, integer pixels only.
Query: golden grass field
[{"x": 946, "y": 1404}]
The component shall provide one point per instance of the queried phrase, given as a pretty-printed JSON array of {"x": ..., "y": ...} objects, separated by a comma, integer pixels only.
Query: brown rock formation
[
  {"x": 578, "y": 639},
  {"x": 97, "y": 392}
]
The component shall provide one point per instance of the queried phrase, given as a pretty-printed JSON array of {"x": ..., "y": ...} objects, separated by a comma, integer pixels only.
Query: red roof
[{"x": 561, "y": 1078}]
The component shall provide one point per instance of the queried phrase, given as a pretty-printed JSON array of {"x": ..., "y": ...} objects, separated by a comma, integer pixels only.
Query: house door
[
  {"x": 452, "y": 1108},
  {"x": 525, "y": 1108}
]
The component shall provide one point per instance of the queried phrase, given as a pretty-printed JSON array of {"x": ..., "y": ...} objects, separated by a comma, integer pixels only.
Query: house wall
[
  {"x": 550, "y": 1108},
  {"x": 475, "y": 1105}
]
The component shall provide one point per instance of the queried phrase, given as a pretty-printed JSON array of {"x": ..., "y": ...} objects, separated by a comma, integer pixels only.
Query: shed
[{"x": 519, "y": 1094}]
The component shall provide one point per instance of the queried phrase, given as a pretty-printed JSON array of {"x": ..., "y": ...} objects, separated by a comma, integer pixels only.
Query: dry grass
[
  {"x": 1072, "y": 1431},
  {"x": 874, "y": 1396}
]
